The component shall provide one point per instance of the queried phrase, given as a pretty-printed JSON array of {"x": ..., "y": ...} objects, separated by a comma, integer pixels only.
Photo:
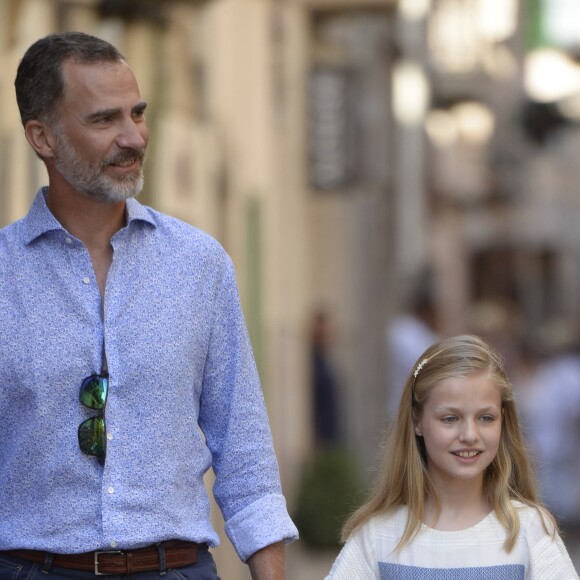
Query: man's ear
[{"x": 40, "y": 138}]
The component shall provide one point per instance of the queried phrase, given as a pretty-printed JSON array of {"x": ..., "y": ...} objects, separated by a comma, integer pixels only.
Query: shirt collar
[
  {"x": 40, "y": 220},
  {"x": 138, "y": 212}
]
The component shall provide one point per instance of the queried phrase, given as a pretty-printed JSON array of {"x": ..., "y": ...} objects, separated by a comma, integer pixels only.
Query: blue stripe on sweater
[{"x": 399, "y": 572}]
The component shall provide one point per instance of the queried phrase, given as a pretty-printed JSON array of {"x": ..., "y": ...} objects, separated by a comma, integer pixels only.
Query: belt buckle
[{"x": 97, "y": 573}]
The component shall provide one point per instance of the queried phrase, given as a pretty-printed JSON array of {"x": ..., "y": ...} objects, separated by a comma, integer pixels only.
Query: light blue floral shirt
[{"x": 184, "y": 392}]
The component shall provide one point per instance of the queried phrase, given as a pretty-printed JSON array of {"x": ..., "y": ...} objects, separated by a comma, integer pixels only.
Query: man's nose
[{"x": 133, "y": 135}]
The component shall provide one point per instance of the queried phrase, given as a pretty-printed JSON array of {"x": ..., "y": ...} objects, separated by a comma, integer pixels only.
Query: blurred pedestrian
[
  {"x": 324, "y": 383},
  {"x": 552, "y": 416},
  {"x": 409, "y": 333}
]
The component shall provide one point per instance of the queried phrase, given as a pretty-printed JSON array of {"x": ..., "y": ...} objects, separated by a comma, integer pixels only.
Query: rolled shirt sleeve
[{"x": 234, "y": 420}]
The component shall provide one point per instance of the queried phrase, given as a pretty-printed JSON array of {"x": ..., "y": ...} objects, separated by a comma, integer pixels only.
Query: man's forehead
[
  {"x": 75, "y": 70},
  {"x": 98, "y": 79}
]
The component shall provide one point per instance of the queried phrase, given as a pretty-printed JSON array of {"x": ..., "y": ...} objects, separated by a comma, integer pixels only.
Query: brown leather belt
[{"x": 175, "y": 553}]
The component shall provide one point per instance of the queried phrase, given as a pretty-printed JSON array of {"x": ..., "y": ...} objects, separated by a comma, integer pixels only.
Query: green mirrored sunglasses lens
[
  {"x": 94, "y": 392},
  {"x": 92, "y": 440}
]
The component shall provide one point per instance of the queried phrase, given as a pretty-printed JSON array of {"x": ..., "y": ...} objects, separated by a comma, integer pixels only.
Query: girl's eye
[
  {"x": 449, "y": 419},
  {"x": 488, "y": 418}
]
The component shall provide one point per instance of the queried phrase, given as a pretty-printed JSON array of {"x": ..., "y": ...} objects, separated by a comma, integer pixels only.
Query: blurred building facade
[{"x": 338, "y": 149}]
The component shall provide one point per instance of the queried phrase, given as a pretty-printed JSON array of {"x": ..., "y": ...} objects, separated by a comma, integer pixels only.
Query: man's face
[{"x": 100, "y": 134}]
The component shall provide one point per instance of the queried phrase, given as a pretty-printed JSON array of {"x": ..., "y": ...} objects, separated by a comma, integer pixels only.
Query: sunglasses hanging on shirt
[{"x": 92, "y": 432}]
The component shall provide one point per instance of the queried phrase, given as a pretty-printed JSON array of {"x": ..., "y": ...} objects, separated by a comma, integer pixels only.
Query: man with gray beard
[{"x": 126, "y": 371}]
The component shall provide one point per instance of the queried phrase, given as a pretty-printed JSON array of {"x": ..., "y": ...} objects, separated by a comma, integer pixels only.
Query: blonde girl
[{"x": 456, "y": 499}]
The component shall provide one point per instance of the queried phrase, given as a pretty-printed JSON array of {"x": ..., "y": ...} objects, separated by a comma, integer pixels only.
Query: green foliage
[{"x": 329, "y": 492}]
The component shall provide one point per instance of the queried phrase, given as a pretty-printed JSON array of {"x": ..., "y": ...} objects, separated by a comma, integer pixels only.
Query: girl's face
[{"x": 461, "y": 426}]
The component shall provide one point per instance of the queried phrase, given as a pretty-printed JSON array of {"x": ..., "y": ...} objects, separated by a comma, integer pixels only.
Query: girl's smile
[{"x": 467, "y": 454}]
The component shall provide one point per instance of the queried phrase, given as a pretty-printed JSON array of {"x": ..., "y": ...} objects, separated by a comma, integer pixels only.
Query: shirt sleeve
[
  {"x": 234, "y": 420},
  {"x": 356, "y": 560},
  {"x": 549, "y": 559}
]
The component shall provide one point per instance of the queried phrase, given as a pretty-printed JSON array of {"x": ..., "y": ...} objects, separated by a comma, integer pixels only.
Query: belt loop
[
  {"x": 162, "y": 561},
  {"x": 47, "y": 564},
  {"x": 129, "y": 558}
]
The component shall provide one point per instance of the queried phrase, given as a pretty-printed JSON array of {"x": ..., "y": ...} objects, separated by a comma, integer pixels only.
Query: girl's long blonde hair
[{"x": 404, "y": 479}]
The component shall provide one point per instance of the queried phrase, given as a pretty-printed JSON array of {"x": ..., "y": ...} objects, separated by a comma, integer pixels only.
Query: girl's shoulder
[
  {"x": 546, "y": 550},
  {"x": 394, "y": 518},
  {"x": 387, "y": 523},
  {"x": 535, "y": 520}
]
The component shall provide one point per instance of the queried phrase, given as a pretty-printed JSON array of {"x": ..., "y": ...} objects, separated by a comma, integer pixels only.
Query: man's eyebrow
[
  {"x": 138, "y": 108},
  {"x": 102, "y": 113}
]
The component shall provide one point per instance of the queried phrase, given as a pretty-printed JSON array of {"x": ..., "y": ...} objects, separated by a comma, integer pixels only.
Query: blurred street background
[{"x": 383, "y": 173}]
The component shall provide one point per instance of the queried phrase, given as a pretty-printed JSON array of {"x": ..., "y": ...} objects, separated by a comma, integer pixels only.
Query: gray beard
[{"x": 90, "y": 179}]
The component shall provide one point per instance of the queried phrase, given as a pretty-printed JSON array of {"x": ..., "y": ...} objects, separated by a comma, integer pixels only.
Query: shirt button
[
  {"x": 111, "y": 489},
  {"x": 110, "y": 436},
  {"x": 86, "y": 280},
  {"x": 114, "y": 544},
  {"x": 69, "y": 241}
]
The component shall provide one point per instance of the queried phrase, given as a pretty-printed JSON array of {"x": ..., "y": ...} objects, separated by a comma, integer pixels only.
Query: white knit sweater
[{"x": 476, "y": 553}]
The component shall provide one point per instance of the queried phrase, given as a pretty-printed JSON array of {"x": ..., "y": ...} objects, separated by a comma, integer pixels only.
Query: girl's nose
[{"x": 469, "y": 431}]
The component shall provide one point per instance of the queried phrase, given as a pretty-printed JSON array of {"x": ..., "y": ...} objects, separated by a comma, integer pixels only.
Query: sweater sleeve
[
  {"x": 357, "y": 560},
  {"x": 549, "y": 559}
]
